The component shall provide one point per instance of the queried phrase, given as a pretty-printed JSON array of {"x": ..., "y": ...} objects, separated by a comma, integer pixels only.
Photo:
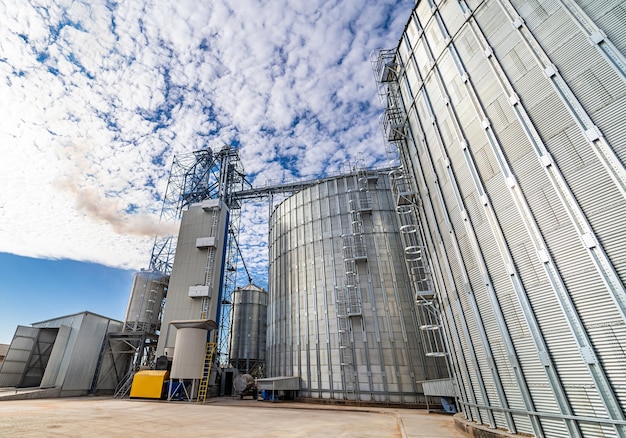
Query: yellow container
[{"x": 148, "y": 383}]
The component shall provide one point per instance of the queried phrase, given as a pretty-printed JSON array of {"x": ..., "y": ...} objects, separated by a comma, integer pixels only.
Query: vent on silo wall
[
  {"x": 249, "y": 326},
  {"x": 341, "y": 310},
  {"x": 514, "y": 136}
]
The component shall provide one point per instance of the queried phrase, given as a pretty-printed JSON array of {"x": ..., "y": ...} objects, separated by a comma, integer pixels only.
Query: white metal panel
[
  {"x": 206, "y": 242},
  {"x": 199, "y": 291}
]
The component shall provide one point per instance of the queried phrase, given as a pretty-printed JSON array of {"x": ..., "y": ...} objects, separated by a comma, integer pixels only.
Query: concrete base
[
  {"x": 474, "y": 430},
  {"x": 223, "y": 416},
  {"x": 29, "y": 393}
]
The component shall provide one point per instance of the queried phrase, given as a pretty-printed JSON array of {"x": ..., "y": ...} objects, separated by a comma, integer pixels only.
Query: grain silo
[
  {"x": 341, "y": 312},
  {"x": 248, "y": 331},
  {"x": 146, "y": 302},
  {"x": 509, "y": 118}
]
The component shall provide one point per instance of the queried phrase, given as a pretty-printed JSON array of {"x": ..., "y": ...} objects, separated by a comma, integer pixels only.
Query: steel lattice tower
[{"x": 194, "y": 177}]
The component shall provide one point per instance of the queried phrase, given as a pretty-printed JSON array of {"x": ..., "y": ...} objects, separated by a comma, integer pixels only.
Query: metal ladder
[
  {"x": 206, "y": 373},
  {"x": 418, "y": 267},
  {"x": 207, "y": 282},
  {"x": 208, "y": 277},
  {"x": 344, "y": 331}
]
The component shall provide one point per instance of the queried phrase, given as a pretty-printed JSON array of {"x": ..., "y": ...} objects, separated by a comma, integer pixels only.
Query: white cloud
[{"x": 97, "y": 97}]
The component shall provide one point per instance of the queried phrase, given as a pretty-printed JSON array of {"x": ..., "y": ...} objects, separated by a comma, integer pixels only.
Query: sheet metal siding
[
  {"x": 601, "y": 93},
  {"x": 610, "y": 16},
  {"x": 575, "y": 253},
  {"x": 461, "y": 181},
  {"x": 386, "y": 367},
  {"x": 16, "y": 361},
  {"x": 454, "y": 284},
  {"x": 85, "y": 353},
  {"x": 447, "y": 208},
  {"x": 496, "y": 272},
  {"x": 576, "y": 159},
  {"x": 77, "y": 366}
]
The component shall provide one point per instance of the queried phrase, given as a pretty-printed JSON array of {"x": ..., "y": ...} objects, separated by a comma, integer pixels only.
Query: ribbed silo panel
[
  {"x": 610, "y": 350},
  {"x": 501, "y": 283},
  {"x": 435, "y": 38},
  {"x": 610, "y": 16},
  {"x": 421, "y": 57},
  {"x": 597, "y": 431},
  {"x": 610, "y": 120},
  {"x": 404, "y": 51},
  {"x": 599, "y": 92},
  {"x": 555, "y": 31},
  {"x": 450, "y": 16},
  {"x": 482, "y": 371},
  {"x": 609, "y": 219},
  {"x": 424, "y": 12}
]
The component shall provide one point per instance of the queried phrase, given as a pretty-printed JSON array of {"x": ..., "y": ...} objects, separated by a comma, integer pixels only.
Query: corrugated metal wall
[
  {"x": 341, "y": 313},
  {"x": 515, "y": 137}
]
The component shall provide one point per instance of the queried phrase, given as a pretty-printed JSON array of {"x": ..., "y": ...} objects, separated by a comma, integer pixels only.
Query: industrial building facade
[{"x": 509, "y": 117}]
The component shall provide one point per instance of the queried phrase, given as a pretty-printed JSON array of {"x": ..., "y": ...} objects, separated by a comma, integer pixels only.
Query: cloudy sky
[{"x": 96, "y": 97}]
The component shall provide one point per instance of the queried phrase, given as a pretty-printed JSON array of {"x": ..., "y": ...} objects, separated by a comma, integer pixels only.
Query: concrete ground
[{"x": 218, "y": 417}]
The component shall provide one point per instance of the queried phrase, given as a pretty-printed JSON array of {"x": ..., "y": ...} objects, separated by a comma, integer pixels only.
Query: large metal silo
[
  {"x": 146, "y": 300},
  {"x": 248, "y": 330},
  {"x": 341, "y": 311},
  {"x": 509, "y": 118}
]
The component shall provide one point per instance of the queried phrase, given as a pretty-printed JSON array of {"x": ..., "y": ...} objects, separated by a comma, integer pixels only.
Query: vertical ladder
[
  {"x": 149, "y": 315},
  {"x": 206, "y": 372},
  {"x": 208, "y": 274},
  {"x": 354, "y": 248},
  {"x": 204, "y": 306},
  {"x": 352, "y": 292},
  {"x": 415, "y": 258},
  {"x": 345, "y": 343}
]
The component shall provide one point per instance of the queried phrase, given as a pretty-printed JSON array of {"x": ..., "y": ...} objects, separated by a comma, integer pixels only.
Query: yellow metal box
[{"x": 149, "y": 383}]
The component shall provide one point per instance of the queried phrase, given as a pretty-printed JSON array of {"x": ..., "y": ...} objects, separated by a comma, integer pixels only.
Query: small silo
[
  {"x": 249, "y": 325},
  {"x": 146, "y": 299},
  {"x": 341, "y": 311},
  {"x": 190, "y": 348}
]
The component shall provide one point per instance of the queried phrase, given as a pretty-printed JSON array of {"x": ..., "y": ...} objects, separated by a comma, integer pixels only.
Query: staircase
[{"x": 123, "y": 388}]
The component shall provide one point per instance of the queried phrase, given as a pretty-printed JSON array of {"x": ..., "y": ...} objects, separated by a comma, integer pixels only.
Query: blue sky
[
  {"x": 34, "y": 290},
  {"x": 98, "y": 96}
]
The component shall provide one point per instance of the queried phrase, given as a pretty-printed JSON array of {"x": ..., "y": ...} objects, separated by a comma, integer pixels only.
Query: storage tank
[
  {"x": 145, "y": 302},
  {"x": 249, "y": 326},
  {"x": 509, "y": 117},
  {"x": 190, "y": 348},
  {"x": 341, "y": 311}
]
